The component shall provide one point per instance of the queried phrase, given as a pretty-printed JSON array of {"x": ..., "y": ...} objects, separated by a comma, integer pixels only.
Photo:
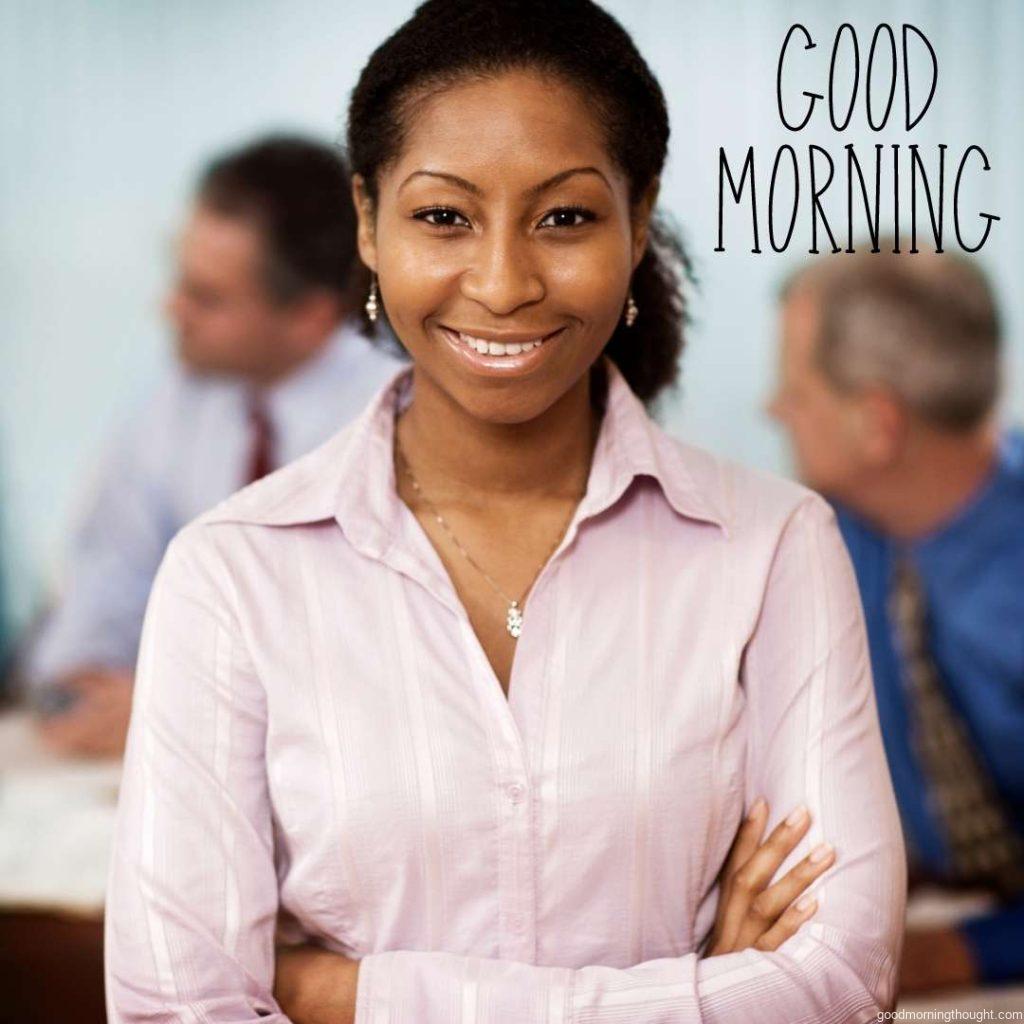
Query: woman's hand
[
  {"x": 96, "y": 724},
  {"x": 312, "y": 985},
  {"x": 751, "y": 912}
]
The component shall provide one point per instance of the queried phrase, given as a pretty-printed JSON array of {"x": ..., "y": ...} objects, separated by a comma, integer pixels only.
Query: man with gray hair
[{"x": 888, "y": 388}]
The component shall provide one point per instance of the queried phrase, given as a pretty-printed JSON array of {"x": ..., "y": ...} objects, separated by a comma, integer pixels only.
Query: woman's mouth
[
  {"x": 512, "y": 354},
  {"x": 498, "y": 348}
]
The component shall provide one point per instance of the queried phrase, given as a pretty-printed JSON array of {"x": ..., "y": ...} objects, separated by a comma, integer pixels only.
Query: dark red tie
[{"x": 261, "y": 432}]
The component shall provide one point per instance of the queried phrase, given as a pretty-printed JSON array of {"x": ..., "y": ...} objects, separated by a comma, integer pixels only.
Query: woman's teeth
[{"x": 496, "y": 348}]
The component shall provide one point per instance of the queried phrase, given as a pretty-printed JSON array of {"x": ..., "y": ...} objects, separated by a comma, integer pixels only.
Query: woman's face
[{"x": 503, "y": 220}]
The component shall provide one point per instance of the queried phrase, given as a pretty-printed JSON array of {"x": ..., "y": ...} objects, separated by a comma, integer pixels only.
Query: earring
[
  {"x": 632, "y": 310},
  {"x": 371, "y": 300}
]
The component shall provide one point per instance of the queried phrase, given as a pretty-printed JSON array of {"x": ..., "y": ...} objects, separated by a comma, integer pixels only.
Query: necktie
[
  {"x": 260, "y": 458},
  {"x": 984, "y": 849}
]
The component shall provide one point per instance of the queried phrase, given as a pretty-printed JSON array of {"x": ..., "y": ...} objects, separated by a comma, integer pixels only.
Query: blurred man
[
  {"x": 889, "y": 379},
  {"x": 271, "y": 364}
]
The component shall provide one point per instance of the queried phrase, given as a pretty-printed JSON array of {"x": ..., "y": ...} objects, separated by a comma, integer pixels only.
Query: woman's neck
[{"x": 458, "y": 458}]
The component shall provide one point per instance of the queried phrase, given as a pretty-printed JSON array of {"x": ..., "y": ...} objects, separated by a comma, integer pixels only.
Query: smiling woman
[
  {"x": 520, "y": 254},
  {"x": 476, "y": 702}
]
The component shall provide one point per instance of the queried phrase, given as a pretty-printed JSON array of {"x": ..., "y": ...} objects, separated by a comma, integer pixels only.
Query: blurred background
[{"x": 109, "y": 108}]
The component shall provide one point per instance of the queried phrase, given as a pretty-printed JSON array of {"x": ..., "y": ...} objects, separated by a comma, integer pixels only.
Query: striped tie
[{"x": 984, "y": 849}]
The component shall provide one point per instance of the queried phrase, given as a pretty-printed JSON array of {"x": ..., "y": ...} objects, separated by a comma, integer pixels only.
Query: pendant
[{"x": 514, "y": 620}]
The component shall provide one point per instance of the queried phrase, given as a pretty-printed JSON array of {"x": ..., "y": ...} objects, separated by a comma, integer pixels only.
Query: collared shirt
[
  {"x": 183, "y": 449},
  {"x": 317, "y": 733},
  {"x": 972, "y": 571}
]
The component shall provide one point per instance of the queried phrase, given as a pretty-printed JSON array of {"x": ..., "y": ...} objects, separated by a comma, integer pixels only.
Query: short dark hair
[
  {"x": 298, "y": 191},
  {"x": 925, "y": 325},
  {"x": 447, "y": 41}
]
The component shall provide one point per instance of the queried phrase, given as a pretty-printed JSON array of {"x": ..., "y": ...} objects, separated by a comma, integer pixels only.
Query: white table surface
[{"x": 56, "y": 823}]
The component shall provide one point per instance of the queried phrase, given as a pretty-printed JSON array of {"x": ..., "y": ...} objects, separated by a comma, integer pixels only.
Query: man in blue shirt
[
  {"x": 888, "y": 385},
  {"x": 270, "y": 363}
]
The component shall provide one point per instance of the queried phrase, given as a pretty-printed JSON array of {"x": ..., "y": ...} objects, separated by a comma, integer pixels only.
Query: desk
[
  {"x": 56, "y": 822},
  {"x": 51, "y": 969}
]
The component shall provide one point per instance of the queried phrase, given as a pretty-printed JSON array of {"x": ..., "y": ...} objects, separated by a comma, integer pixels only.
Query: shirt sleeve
[
  {"x": 996, "y": 941},
  {"x": 115, "y": 547},
  {"x": 814, "y": 739},
  {"x": 192, "y": 890}
]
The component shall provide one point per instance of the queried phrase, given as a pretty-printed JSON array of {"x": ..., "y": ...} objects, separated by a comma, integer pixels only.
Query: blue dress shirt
[
  {"x": 972, "y": 570},
  {"x": 178, "y": 453}
]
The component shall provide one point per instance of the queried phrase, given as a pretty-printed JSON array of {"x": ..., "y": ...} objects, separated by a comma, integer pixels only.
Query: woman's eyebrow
[
  {"x": 530, "y": 193},
  {"x": 557, "y": 179}
]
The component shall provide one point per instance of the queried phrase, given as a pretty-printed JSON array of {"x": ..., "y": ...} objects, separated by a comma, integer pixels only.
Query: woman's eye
[
  {"x": 441, "y": 217},
  {"x": 566, "y": 217},
  {"x": 563, "y": 217}
]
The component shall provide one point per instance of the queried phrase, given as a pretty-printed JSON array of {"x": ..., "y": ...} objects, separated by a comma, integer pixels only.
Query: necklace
[{"x": 514, "y": 613}]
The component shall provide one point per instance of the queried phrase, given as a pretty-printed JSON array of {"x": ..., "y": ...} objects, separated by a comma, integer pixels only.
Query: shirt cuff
[{"x": 371, "y": 1005}]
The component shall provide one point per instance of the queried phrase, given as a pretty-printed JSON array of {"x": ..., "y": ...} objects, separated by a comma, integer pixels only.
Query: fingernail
[
  {"x": 757, "y": 808},
  {"x": 805, "y": 903},
  {"x": 797, "y": 817},
  {"x": 820, "y": 852}
]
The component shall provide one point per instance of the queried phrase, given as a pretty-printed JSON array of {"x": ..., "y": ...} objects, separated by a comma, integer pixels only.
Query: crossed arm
[{"x": 316, "y": 986}]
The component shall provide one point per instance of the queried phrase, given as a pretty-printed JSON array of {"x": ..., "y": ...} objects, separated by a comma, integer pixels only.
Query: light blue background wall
[{"x": 107, "y": 109}]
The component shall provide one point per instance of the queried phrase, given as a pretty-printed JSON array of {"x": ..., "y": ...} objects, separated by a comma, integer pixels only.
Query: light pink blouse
[{"x": 317, "y": 733}]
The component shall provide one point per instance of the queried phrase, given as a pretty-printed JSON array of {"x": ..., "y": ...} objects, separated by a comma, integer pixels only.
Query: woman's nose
[{"x": 504, "y": 274}]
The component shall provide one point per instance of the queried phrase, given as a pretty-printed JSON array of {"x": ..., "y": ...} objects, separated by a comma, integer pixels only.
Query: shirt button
[
  {"x": 515, "y": 792},
  {"x": 515, "y": 922}
]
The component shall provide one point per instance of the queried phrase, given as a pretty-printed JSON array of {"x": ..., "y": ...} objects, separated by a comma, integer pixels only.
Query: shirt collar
[
  {"x": 631, "y": 444},
  {"x": 350, "y": 477}
]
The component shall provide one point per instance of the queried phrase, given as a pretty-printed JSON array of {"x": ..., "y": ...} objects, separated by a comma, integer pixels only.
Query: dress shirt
[
  {"x": 972, "y": 571},
  {"x": 181, "y": 451},
  {"x": 317, "y": 732}
]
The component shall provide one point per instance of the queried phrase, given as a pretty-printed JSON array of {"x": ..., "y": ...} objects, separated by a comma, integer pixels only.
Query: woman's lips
[{"x": 486, "y": 354}]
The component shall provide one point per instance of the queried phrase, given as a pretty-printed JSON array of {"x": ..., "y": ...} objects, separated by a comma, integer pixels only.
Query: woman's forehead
[{"x": 518, "y": 124}]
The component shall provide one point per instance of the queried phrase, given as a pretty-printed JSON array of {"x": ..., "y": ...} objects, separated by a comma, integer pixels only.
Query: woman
[{"x": 476, "y": 695}]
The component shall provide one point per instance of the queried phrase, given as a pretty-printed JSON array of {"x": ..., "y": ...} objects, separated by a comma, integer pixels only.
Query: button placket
[
  {"x": 518, "y": 896},
  {"x": 515, "y": 843}
]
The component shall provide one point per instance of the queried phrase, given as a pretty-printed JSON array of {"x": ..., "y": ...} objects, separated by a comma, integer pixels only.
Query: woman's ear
[
  {"x": 642, "y": 218},
  {"x": 365, "y": 234}
]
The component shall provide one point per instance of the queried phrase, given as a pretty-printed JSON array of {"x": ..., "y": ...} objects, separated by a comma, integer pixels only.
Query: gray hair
[{"x": 924, "y": 325}]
